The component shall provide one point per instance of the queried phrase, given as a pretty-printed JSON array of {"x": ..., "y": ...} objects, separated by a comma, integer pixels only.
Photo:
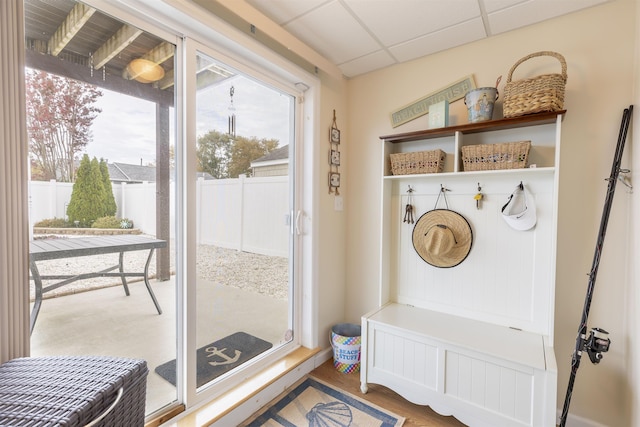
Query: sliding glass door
[
  {"x": 242, "y": 234},
  {"x": 199, "y": 153}
]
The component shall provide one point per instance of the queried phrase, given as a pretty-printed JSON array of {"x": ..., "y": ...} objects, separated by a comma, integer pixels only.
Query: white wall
[
  {"x": 599, "y": 46},
  {"x": 633, "y": 300}
]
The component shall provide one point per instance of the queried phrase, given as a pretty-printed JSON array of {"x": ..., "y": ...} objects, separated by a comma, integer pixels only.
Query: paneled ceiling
[
  {"x": 365, "y": 35},
  {"x": 69, "y": 38}
]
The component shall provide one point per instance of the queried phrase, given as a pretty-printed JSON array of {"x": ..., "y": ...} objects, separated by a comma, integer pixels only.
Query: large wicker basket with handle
[{"x": 537, "y": 94}]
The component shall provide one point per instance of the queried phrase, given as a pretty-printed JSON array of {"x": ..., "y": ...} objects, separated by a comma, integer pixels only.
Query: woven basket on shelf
[
  {"x": 417, "y": 162},
  {"x": 537, "y": 94},
  {"x": 507, "y": 155}
]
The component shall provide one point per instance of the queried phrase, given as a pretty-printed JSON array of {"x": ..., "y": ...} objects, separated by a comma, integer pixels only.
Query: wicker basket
[
  {"x": 73, "y": 391},
  {"x": 535, "y": 95},
  {"x": 417, "y": 162},
  {"x": 485, "y": 157}
]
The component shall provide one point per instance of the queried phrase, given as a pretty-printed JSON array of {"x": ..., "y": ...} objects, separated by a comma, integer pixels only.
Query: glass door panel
[
  {"x": 243, "y": 226},
  {"x": 89, "y": 99}
]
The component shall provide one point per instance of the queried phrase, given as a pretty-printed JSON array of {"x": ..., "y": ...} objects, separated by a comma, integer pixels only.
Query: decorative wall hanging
[{"x": 334, "y": 157}]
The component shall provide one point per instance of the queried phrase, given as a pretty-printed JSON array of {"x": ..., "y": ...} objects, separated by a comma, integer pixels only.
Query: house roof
[
  {"x": 279, "y": 155},
  {"x": 123, "y": 172}
]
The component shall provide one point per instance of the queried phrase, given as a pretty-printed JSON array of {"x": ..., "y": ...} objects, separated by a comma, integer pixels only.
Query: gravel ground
[{"x": 263, "y": 274}]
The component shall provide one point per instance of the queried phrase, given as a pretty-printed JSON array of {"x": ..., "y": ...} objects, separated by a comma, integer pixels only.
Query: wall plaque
[{"x": 451, "y": 93}]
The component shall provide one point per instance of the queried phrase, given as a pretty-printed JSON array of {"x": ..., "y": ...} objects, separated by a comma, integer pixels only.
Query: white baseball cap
[{"x": 520, "y": 210}]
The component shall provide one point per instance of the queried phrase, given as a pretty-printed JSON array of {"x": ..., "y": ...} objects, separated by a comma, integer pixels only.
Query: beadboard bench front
[{"x": 484, "y": 374}]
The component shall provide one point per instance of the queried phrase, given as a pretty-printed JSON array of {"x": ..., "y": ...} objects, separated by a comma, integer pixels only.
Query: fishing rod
[{"x": 597, "y": 342}]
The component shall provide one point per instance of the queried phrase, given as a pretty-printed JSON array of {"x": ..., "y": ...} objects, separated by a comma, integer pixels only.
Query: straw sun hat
[{"x": 442, "y": 238}]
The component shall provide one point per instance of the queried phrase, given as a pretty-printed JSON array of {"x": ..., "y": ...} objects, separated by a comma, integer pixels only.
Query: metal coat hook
[{"x": 444, "y": 196}]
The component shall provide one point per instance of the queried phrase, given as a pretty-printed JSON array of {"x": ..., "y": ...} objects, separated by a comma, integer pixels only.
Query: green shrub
[
  {"x": 110, "y": 201},
  {"x": 88, "y": 198},
  {"x": 112, "y": 222},
  {"x": 53, "y": 223}
]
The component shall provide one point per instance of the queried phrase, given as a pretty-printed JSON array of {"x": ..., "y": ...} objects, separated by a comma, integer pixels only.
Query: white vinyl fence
[{"x": 247, "y": 214}]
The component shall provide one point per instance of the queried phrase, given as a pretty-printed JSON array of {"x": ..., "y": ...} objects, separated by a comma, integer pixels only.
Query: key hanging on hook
[
  {"x": 408, "y": 209},
  {"x": 478, "y": 197}
]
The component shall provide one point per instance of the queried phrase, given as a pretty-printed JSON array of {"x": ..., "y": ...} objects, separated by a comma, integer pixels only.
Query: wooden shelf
[{"x": 511, "y": 123}]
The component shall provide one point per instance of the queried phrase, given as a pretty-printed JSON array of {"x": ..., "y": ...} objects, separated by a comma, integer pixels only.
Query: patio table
[{"x": 49, "y": 249}]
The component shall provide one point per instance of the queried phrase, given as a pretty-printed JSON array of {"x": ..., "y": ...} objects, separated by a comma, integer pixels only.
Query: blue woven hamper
[{"x": 73, "y": 391}]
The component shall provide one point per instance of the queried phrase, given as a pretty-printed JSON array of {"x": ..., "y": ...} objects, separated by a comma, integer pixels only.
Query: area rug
[
  {"x": 219, "y": 357},
  {"x": 314, "y": 403}
]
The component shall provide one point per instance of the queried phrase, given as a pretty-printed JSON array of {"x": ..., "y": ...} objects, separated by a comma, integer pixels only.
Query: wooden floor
[{"x": 415, "y": 415}]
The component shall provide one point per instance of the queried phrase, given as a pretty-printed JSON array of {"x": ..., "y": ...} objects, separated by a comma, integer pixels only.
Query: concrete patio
[{"x": 107, "y": 322}]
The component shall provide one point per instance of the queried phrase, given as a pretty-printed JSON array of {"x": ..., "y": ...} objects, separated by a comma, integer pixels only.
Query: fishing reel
[{"x": 597, "y": 343}]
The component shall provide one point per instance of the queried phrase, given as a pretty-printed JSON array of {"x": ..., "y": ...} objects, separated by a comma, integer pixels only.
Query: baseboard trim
[{"x": 576, "y": 421}]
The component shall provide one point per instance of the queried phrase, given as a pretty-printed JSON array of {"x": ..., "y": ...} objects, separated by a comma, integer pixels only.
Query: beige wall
[
  {"x": 332, "y": 300},
  {"x": 599, "y": 46}
]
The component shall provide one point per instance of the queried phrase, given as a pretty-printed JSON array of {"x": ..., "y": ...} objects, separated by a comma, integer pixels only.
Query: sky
[{"x": 124, "y": 131}]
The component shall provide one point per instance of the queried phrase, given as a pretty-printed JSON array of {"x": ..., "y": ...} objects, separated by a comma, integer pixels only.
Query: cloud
[{"x": 125, "y": 130}]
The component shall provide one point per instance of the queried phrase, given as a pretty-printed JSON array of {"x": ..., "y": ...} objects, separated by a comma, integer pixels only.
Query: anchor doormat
[{"x": 219, "y": 357}]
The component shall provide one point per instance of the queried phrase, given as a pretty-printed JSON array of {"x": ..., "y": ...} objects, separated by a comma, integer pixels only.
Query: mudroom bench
[
  {"x": 469, "y": 334},
  {"x": 481, "y": 373}
]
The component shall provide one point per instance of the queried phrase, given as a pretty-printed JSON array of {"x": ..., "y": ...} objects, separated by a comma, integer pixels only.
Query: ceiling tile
[
  {"x": 533, "y": 11},
  {"x": 283, "y": 11},
  {"x": 435, "y": 42},
  {"x": 334, "y": 33},
  {"x": 394, "y": 22},
  {"x": 363, "y": 35},
  {"x": 364, "y": 64},
  {"x": 495, "y": 5}
]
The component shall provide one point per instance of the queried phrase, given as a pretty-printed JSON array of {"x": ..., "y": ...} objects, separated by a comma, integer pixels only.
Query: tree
[
  {"x": 245, "y": 150},
  {"x": 224, "y": 156},
  {"x": 214, "y": 154},
  {"x": 88, "y": 198},
  {"x": 60, "y": 112},
  {"x": 110, "y": 207}
]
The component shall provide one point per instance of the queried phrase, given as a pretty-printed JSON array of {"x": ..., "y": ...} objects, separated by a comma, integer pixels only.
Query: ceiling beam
[
  {"x": 160, "y": 53},
  {"x": 120, "y": 40},
  {"x": 167, "y": 81},
  {"x": 250, "y": 19},
  {"x": 113, "y": 82},
  {"x": 74, "y": 21}
]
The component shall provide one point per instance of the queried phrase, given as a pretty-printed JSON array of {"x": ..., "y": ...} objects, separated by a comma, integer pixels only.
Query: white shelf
[{"x": 473, "y": 174}]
